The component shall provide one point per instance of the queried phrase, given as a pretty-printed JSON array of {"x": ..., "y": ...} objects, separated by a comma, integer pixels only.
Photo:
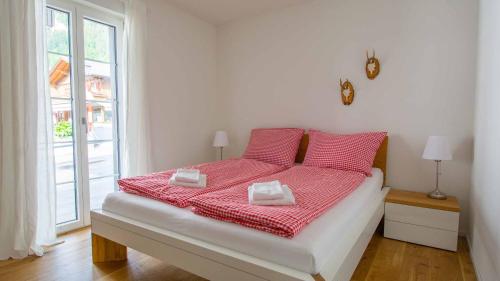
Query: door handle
[{"x": 84, "y": 123}]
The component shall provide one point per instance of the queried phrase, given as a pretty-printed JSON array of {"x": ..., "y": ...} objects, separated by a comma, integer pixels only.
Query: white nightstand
[{"x": 413, "y": 217}]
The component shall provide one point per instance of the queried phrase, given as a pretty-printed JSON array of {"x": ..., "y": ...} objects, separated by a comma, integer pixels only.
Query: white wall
[
  {"x": 485, "y": 193},
  {"x": 181, "y": 84},
  {"x": 113, "y": 5},
  {"x": 283, "y": 69}
]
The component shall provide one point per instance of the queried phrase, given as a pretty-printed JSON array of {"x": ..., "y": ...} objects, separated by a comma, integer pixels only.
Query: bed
[{"x": 327, "y": 249}]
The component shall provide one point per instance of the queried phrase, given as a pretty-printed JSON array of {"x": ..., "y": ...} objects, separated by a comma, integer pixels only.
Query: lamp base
[
  {"x": 436, "y": 194},
  {"x": 221, "y": 148}
]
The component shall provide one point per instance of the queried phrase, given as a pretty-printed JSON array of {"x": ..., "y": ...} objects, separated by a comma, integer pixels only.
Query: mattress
[{"x": 308, "y": 251}]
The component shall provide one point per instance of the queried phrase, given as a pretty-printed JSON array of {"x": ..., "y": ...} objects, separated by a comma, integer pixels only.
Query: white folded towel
[
  {"x": 200, "y": 184},
  {"x": 267, "y": 190},
  {"x": 288, "y": 198},
  {"x": 187, "y": 175}
]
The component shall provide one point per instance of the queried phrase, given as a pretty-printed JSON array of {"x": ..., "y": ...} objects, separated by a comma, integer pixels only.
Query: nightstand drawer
[
  {"x": 427, "y": 236},
  {"x": 433, "y": 218}
]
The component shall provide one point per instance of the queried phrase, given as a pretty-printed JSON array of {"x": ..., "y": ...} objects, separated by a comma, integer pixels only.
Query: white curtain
[
  {"x": 27, "y": 189},
  {"x": 137, "y": 158}
]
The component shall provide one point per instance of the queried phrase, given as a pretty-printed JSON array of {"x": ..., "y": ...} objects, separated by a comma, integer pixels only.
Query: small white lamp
[
  {"x": 437, "y": 149},
  {"x": 220, "y": 141}
]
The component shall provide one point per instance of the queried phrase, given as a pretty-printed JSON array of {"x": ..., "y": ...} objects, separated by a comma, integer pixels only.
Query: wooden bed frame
[{"x": 112, "y": 234}]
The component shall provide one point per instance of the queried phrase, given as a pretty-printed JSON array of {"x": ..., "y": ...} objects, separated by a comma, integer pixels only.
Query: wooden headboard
[{"x": 379, "y": 162}]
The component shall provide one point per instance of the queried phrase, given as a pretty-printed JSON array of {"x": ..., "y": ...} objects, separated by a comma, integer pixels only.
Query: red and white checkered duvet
[
  {"x": 220, "y": 175},
  {"x": 315, "y": 190}
]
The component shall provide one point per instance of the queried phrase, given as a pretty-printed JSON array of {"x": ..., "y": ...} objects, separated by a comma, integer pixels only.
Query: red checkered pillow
[
  {"x": 274, "y": 146},
  {"x": 343, "y": 152}
]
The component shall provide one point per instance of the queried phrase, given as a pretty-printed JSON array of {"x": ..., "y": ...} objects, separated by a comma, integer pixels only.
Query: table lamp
[
  {"x": 437, "y": 149},
  {"x": 220, "y": 141}
]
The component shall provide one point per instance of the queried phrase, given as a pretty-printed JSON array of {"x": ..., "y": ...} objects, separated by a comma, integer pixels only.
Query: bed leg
[
  {"x": 104, "y": 250},
  {"x": 318, "y": 277}
]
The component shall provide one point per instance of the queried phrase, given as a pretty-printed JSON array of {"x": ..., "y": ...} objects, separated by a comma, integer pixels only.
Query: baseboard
[{"x": 478, "y": 274}]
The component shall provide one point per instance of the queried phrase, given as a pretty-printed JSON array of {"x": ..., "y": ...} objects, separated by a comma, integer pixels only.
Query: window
[{"x": 83, "y": 48}]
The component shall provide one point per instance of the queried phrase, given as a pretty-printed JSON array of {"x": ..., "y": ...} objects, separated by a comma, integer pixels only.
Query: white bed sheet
[{"x": 307, "y": 252}]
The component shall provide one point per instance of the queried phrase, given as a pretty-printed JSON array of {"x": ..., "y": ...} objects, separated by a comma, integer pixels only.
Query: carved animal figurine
[
  {"x": 346, "y": 92},
  {"x": 372, "y": 67}
]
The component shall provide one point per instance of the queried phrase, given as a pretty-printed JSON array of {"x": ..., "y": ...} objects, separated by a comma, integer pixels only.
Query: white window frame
[{"x": 80, "y": 10}]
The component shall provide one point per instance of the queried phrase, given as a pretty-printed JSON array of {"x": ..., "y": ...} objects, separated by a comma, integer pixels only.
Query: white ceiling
[{"x": 221, "y": 11}]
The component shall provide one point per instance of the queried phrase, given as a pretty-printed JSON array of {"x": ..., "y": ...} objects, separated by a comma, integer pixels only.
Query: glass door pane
[
  {"x": 59, "y": 57},
  {"x": 101, "y": 104}
]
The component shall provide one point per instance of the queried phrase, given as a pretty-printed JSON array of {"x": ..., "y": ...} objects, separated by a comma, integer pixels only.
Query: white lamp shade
[
  {"x": 437, "y": 148},
  {"x": 220, "y": 139}
]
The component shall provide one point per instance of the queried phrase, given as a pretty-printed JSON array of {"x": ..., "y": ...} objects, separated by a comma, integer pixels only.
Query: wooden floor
[{"x": 384, "y": 260}]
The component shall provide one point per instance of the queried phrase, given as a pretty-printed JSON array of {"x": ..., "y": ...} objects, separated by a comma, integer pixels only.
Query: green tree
[
  {"x": 58, "y": 38},
  {"x": 96, "y": 39},
  {"x": 63, "y": 129}
]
